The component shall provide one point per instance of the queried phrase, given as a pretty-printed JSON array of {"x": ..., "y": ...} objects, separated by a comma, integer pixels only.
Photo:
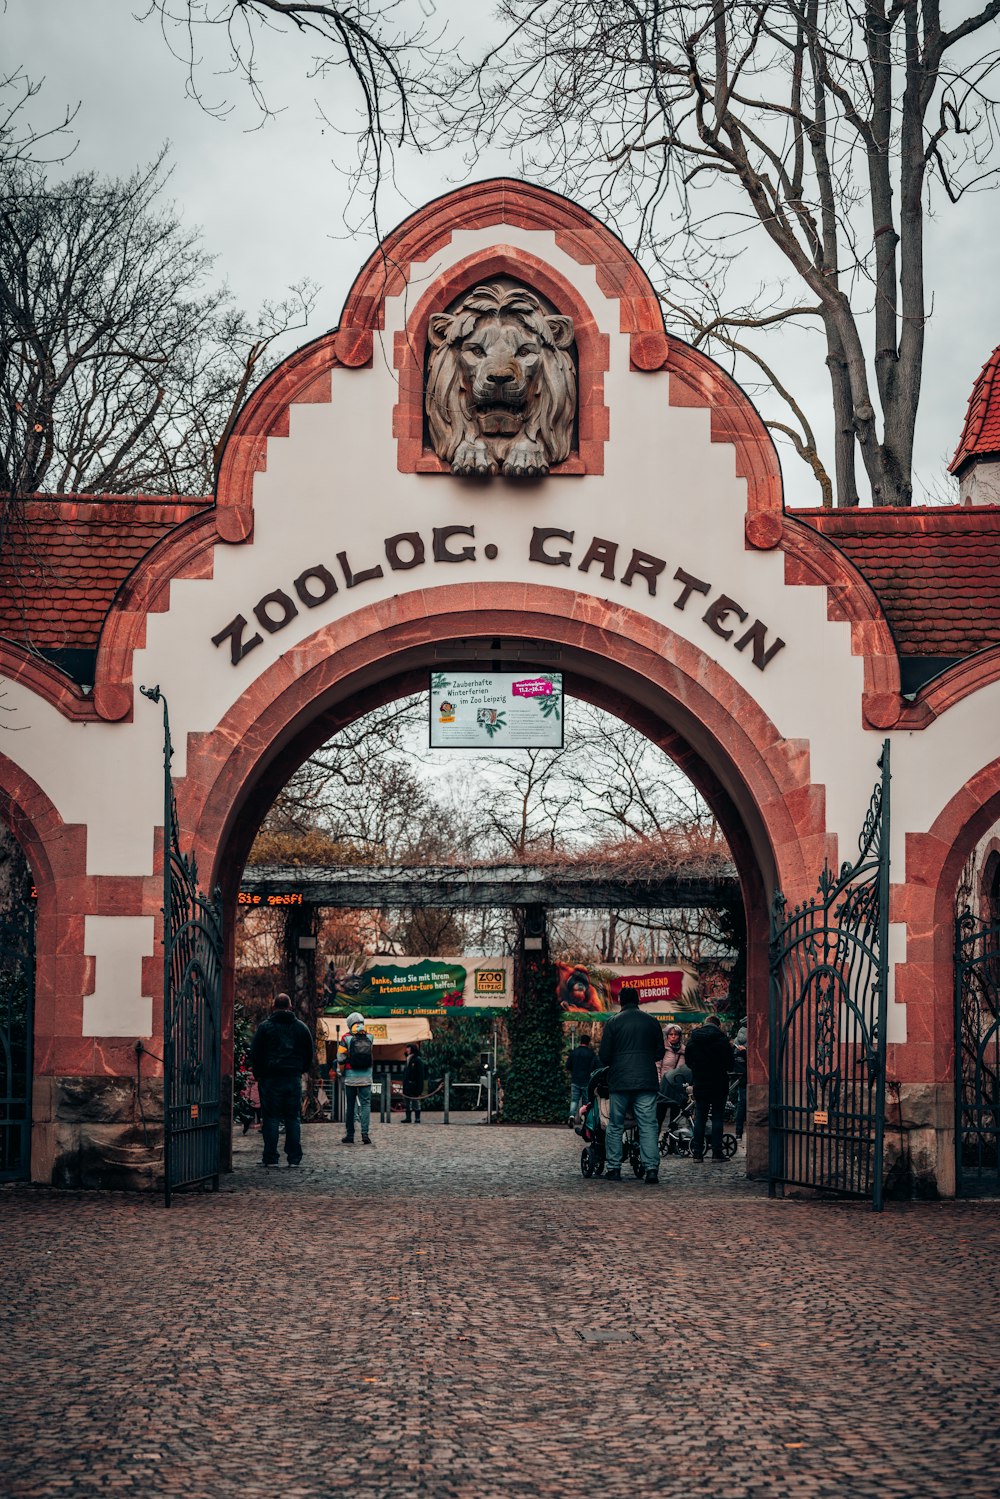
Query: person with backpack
[
  {"x": 355, "y": 1064},
  {"x": 414, "y": 1078},
  {"x": 281, "y": 1050}
]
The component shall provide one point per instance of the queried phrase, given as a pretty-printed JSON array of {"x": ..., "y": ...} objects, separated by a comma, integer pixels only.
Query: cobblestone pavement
[{"x": 455, "y": 1313}]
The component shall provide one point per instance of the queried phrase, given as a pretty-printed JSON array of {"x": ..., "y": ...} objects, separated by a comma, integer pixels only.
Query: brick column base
[{"x": 87, "y": 1132}]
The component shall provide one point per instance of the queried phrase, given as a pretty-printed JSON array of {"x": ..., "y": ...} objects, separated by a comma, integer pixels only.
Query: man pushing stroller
[{"x": 631, "y": 1047}]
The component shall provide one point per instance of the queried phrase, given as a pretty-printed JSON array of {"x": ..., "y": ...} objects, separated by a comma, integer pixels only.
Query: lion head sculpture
[{"x": 501, "y": 387}]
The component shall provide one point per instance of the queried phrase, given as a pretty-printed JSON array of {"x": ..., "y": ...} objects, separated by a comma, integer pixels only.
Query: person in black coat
[
  {"x": 740, "y": 1069},
  {"x": 580, "y": 1063},
  {"x": 280, "y": 1052},
  {"x": 414, "y": 1077},
  {"x": 709, "y": 1054},
  {"x": 631, "y": 1047}
]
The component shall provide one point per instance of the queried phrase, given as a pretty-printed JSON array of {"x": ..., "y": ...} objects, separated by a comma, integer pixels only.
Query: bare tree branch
[{"x": 806, "y": 127}]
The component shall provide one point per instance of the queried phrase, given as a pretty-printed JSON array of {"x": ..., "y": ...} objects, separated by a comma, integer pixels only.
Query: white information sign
[{"x": 496, "y": 709}]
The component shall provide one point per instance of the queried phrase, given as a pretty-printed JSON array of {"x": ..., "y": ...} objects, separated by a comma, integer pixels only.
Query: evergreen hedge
[{"x": 536, "y": 1090}]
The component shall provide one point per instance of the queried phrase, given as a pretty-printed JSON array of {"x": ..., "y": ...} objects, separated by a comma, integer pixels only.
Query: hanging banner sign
[
  {"x": 669, "y": 991},
  {"x": 447, "y": 986},
  {"x": 420, "y": 986},
  {"x": 496, "y": 710}
]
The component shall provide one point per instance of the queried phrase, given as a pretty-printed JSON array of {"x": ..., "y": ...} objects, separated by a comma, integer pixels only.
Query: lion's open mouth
[
  {"x": 500, "y": 421},
  {"x": 511, "y": 401}
]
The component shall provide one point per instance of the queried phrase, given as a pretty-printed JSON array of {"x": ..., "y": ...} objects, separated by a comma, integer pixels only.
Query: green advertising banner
[
  {"x": 420, "y": 986},
  {"x": 400, "y": 987}
]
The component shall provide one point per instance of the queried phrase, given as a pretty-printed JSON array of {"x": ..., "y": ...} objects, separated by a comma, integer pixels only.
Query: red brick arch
[
  {"x": 56, "y": 855},
  {"x": 926, "y": 903},
  {"x": 758, "y": 783},
  {"x": 647, "y": 667}
]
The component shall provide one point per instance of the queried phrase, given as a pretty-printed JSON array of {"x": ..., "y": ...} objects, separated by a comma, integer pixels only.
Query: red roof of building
[
  {"x": 981, "y": 433},
  {"x": 935, "y": 571},
  {"x": 62, "y": 572}
]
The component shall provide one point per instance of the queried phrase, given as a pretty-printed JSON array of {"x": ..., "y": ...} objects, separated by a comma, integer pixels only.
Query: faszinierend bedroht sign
[{"x": 496, "y": 710}]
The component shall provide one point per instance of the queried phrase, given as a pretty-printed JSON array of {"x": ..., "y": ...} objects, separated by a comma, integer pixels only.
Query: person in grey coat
[{"x": 631, "y": 1047}]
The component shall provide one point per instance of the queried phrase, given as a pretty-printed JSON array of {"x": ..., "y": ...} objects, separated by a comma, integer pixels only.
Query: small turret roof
[{"x": 981, "y": 433}]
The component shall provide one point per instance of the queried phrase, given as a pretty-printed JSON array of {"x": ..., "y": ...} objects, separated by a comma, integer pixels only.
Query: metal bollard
[
  {"x": 387, "y": 1096},
  {"x": 447, "y": 1098}
]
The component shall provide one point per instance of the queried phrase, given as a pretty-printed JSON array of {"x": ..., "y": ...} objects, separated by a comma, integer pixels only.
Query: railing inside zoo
[{"x": 323, "y": 1100}]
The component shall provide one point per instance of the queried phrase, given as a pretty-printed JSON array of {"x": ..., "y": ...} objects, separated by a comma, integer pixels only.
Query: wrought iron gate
[
  {"x": 192, "y": 987},
  {"x": 829, "y": 966},
  {"x": 17, "y": 993},
  {"x": 977, "y": 1069}
]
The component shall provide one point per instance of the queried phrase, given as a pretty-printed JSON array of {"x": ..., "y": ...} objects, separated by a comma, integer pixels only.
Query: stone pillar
[
  {"x": 299, "y": 955},
  {"x": 532, "y": 942}
]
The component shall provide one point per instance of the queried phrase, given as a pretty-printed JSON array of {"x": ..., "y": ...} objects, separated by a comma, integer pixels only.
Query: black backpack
[
  {"x": 359, "y": 1052},
  {"x": 283, "y": 1049}
]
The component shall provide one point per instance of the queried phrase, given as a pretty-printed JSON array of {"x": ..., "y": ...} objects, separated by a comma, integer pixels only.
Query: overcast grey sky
[{"x": 272, "y": 205}]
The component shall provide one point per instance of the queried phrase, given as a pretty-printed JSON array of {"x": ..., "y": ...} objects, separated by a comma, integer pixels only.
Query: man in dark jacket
[
  {"x": 631, "y": 1046},
  {"x": 280, "y": 1052},
  {"x": 709, "y": 1054},
  {"x": 580, "y": 1064},
  {"x": 414, "y": 1077}
]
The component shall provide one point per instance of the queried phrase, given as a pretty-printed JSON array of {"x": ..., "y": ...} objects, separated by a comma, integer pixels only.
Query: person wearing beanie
[
  {"x": 631, "y": 1047},
  {"x": 281, "y": 1050},
  {"x": 355, "y": 1065}
]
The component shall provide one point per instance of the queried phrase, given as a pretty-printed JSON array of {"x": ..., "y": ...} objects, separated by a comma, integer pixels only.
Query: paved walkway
[{"x": 457, "y": 1314}]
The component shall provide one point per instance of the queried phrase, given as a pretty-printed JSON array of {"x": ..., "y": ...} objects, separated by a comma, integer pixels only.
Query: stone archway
[
  {"x": 757, "y": 782},
  {"x": 925, "y": 905}
]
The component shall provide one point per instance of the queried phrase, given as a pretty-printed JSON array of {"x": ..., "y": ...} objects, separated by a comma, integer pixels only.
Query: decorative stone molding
[
  {"x": 414, "y": 455},
  {"x": 352, "y": 654},
  {"x": 18, "y": 665}
]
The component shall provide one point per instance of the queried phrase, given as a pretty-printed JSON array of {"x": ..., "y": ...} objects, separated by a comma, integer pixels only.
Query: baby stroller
[
  {"x": 246, "y": 1101},
  {"x": 593, "y": 1125},
  {"x": 675, "y": 1115}
]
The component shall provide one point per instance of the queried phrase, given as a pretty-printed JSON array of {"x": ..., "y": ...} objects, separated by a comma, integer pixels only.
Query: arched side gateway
[{"x": 499, "y": 440}]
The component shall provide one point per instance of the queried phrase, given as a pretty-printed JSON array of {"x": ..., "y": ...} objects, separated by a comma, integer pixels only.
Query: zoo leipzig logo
[{"x": 549, "y": 546}]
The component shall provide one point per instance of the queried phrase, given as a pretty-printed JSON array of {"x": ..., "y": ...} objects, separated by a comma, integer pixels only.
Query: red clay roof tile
[
  {"x": 74, "y": 554},
  {"x": 935, "y": 571},
  {"x": 981, "y": 433}
]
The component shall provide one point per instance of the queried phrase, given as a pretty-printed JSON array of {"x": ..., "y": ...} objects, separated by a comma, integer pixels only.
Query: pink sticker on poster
[
  {"x": 533, "y": 687},
  {"x": 653, "y": 987}
]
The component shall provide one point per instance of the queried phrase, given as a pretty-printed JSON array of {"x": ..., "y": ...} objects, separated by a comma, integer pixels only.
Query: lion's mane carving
[{"x": 501, "y": 387}]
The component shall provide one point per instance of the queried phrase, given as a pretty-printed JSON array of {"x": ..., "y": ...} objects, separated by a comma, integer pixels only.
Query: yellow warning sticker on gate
[
  {"x": 194, "y": 1111},
  {"x": 821, "y": 1117}
]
